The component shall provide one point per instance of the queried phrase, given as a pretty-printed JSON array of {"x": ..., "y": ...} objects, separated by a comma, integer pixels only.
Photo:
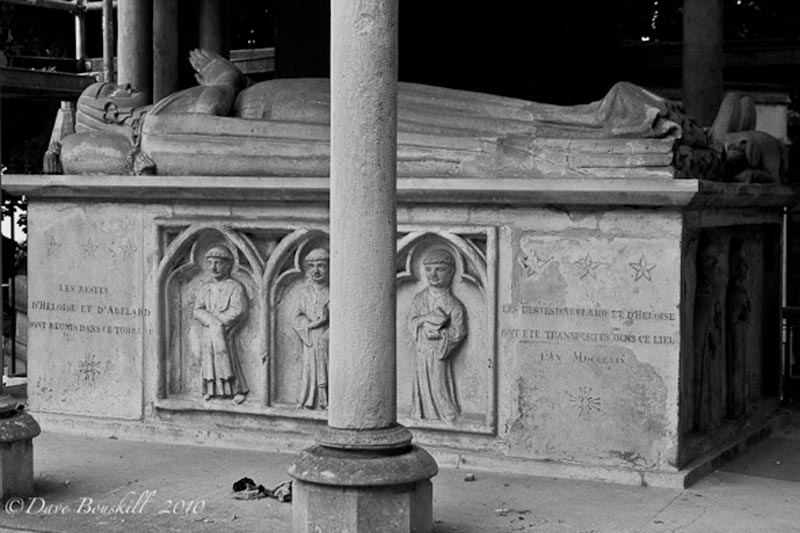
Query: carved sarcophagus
[{"x": 565, "y": 306}]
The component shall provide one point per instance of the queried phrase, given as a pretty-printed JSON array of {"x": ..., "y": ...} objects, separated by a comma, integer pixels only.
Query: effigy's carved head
[
  {"x": 218, "y": 262},
  {"x": 317, "y": 265},
  {"x": 439, "y": 267},
  {"x": 108, "y": 103}
]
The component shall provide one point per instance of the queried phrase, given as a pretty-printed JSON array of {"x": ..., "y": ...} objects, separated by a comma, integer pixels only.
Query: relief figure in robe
[
  {"x": 311, "y": 325},
  {"x": 709, "y": 338},
  {"x": 741, "y": 346},
  {"x": 437, "y": 323},
  {"x": 221, "y": 306}
]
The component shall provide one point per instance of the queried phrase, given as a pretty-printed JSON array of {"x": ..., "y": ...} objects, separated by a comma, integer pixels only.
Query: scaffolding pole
[{"x": 80, "y": 32}]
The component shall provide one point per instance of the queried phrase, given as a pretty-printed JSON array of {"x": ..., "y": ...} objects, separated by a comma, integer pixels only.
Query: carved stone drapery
[
  {"x": 469, "y": 370},
  {"x": 270, "y": 262},
  {"x": 180, "y": 280}
]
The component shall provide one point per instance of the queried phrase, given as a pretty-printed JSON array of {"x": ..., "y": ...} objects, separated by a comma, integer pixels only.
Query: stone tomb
[{"x": 611, "y": 329}]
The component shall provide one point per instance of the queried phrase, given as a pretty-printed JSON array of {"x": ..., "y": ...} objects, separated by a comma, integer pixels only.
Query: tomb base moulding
[{"x": 592, "y": 344}]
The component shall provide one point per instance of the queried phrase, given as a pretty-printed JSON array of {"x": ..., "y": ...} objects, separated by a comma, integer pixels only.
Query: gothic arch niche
[
  {"x": 180, "y": 276},
  {"x": 285, "y": 281},
  {"x": 471, "y": 364}
]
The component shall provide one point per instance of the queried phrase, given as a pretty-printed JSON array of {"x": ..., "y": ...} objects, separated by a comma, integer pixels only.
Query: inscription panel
[
  {"x": 593, "y": 329},
  {"x": 86, "y": 316}
]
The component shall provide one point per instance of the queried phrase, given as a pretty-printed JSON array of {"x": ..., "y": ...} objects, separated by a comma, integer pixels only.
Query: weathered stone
[
  {"x": 16, "y": 455},
  {"x": 85, "y": 323},
  {"x": 362, "y": 492},
  {"x": 340, "y": 488},
  {"x": 399, "y": 509},
  {"x": 96, "y": 153},
  {"x": 280, "y": 127},
  {"x": 589, "y": 280}
]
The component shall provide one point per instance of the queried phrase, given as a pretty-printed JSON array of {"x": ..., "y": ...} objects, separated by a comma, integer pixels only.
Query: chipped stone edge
[{"x": 440, "y": 190}]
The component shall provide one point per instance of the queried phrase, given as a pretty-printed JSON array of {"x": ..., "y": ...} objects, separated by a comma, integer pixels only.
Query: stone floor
[{"x": 80, "y": 480}]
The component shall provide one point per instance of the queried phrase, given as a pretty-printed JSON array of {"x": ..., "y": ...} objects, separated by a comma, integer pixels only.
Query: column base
[
  {"x": 16, "y": 455},
  {"x": 357, "y": 491}
]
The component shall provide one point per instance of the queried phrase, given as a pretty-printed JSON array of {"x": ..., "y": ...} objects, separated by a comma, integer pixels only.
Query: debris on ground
[
  {"x": 283, "y": 492},
  {"x": 246, "y": 489},
  {"x": 244, "y": 484},
  {"x": 504, "y": 511}
]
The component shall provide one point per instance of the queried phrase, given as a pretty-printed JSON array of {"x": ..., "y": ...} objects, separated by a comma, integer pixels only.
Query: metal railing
[{"x": 791, "y": 330}]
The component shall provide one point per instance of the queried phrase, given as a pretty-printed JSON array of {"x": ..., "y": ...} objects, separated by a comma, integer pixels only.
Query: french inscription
[
  {"x": 584, "y": 336},
  {"x": 578, "y": 356},
  {"x": 628, "y": 316},
  {"x": 82, "y": 289},
  {"x": 87, "y": 311},
  {"x": 615, "y": 359},
  {"x": 83, "y": 328},
  {"x": 587, "y": 312}
]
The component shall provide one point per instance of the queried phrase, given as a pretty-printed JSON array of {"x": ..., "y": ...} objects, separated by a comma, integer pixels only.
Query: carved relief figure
[
  {"x": 709, "y": 355},
  {"x": 221, "y": 306},
  {"x": 438, "y": 326},
  {"x": 311, "y": 325},
  {"x": 740, "y": 343}
]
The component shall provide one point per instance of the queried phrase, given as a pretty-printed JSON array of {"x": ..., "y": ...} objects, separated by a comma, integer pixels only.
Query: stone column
[
  {"x": 214, "y": 31},
  {"x": 702, "y": 59},
  {"x": 363, "y": 216},
  {"x": 80, "y": 37},
  {"x": 364, "y": 475},
  {"x": 108, "y": 41},
  {"x": 135, "y": 44},
  {"x": 165, "y": 48}
]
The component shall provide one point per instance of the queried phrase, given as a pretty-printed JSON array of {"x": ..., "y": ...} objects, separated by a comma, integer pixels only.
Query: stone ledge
[
  {"x": 491, "y": 191},
  {"x": 226, "y": 406}
]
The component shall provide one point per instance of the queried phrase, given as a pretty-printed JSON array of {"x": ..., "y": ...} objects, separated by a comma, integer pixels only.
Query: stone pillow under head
[{"x": 96, "y": 153}]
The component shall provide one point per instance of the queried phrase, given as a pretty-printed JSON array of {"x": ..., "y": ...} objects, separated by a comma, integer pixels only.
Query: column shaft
[
  {"x": 214, "y": 31},
  {"x": 165, "y": 48},
  {"x": 108, "y": 41},
  {"x": 702, "y": 58},
  {"x": 363, "y": 214},
  {"x": 80, "y": 36},
  {"x": 135, "y": 44}
]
